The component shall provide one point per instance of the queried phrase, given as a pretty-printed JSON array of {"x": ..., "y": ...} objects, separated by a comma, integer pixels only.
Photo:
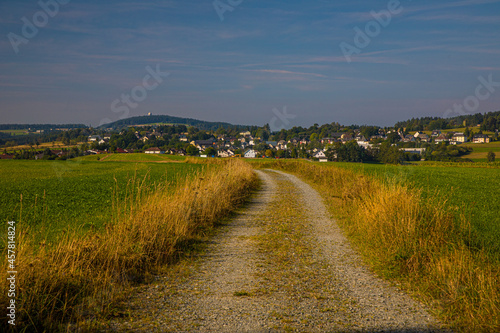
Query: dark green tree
[
  {"x": 491, "y": 156},
  {"x": 210, "y": 151},
  {"x": 390, "y": 154},
  {"x": 192, "y": 150}
]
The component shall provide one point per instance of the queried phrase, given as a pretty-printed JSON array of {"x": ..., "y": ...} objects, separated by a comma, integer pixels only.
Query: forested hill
[
  {"x": 164, "y": 119},
  {"x": 489, "y": 122}
]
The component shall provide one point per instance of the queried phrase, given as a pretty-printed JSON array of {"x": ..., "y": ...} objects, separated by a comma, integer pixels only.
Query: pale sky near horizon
[{"x": 248, "y": 62}]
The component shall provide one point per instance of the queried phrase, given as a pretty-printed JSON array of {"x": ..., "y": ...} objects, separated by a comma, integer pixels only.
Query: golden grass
[
  {"x": 83, "y": 277},
  {"x": 419, "y": 243},
  {"x": 41, "y": 146}
]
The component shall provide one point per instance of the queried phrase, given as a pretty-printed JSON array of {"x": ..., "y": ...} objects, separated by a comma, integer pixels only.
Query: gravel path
[{"x": 281, "y": 265}]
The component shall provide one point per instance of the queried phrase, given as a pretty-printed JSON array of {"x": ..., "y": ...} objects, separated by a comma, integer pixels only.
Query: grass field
[
  {"x": 81, "y": 278},
  {"x": 139, "y": 157},
  {"x": 51, "y": 145},
  {"x": 58, "y": 195},
  {"x": 480, "y": 150},
  {"x": 15, "y": 132},
  {"x": 462, "y": 129},
  {"x": 433, "y": 229},
  {"x": 471, "y": 190}
]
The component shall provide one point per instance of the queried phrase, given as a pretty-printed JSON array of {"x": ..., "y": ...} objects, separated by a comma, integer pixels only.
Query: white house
[
  {"x": 459, "y": 137},
  {"x": 225, "y": 153},
  {"x": 442, "y": 138},
  {"x": 250, "y": 153},
  {"x": 424, "y": 137},
  {"x": 414, "y": 150},
  {"x": 154, "y": 150},
  {"x": 481, "y": 138},
  {"x": 282, "y": 144},
  {"x": 320, "y": 154},
  {"x": 94, "y": 138}
]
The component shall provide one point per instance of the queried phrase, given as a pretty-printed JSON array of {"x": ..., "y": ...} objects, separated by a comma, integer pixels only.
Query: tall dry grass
[
  {"x": 81, "y": 277},
  {"x": 421, "y": 244}
]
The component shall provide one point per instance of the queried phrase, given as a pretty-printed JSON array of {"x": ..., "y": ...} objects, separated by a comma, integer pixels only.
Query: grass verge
[
  {"x": 420, "y": 243},
  {"x": 83, "y": 276}
]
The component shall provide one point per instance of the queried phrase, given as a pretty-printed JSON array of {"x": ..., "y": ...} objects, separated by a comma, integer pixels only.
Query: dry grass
[
  {"x": 419, "y": 243},
  {"x": 82, "y": 278}
]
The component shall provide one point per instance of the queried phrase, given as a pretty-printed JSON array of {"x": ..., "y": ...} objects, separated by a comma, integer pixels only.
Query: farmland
[
  {"x": 481, "y": 150},
  {"x": 138, "y": 157},
  {"x": 15, "y": 132},
  {"x": 471, "y": 190},
  {"x": 95, "y": 269},
  {"x": 50, "y": 145},
  {"x": 432, "y": 227},
  {"x": 58, "y": 195}
]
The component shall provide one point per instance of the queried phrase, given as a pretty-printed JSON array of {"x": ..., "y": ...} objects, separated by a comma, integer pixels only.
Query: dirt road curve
[{"x": 281, "y": 265}]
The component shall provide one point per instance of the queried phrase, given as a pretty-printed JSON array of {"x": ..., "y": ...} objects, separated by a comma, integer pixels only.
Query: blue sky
[{"x": 263, "y": 56}]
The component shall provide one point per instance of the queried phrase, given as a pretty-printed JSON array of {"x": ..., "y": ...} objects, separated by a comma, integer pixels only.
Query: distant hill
[{"x": 164, "y": 119}]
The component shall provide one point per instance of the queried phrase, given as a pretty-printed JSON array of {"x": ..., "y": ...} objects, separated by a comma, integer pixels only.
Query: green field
[
  {"x": 141, "y": 157},
  {"x": 473, "y": 191},
  {"x": 15, "y": 132},
  {"x": 480, "y": 151},
  {"x": 60, "y": 195}
]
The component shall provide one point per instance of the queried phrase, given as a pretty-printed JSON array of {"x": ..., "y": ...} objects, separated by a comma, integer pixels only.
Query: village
[
  {"x": 322, "y": 143},
  {"x": 248, "y": 146}
]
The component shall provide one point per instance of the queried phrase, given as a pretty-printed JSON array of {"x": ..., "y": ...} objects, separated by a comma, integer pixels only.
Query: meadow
[
  {"x": 144, "y": 216},
  {"x": 139, "y": 157},
  {"x": 76, "y": 194},
  {"x": 15, "y": 132},
  {"x": 430, "y": 228},
  {"x": 469, "y": 190},
  {"x": 480, "y": 151}
]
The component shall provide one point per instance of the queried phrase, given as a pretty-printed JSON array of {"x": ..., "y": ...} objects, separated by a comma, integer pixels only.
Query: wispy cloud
[
  {"x": 460, "y": 18},
  {"x": 448, "y": 5},
  {"x": 284, "y": 72},
  {"x": 362, "y": 58},
  {"x": 486, "y": 68},
  {"x": 240, "y": 89}
]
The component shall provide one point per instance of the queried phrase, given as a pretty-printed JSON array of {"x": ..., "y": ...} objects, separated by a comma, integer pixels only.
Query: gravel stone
[{"x": 230, "y": 290}]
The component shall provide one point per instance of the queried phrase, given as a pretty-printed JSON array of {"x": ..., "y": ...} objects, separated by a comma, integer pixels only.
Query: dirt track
[{"x": 281, "y": 265}]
